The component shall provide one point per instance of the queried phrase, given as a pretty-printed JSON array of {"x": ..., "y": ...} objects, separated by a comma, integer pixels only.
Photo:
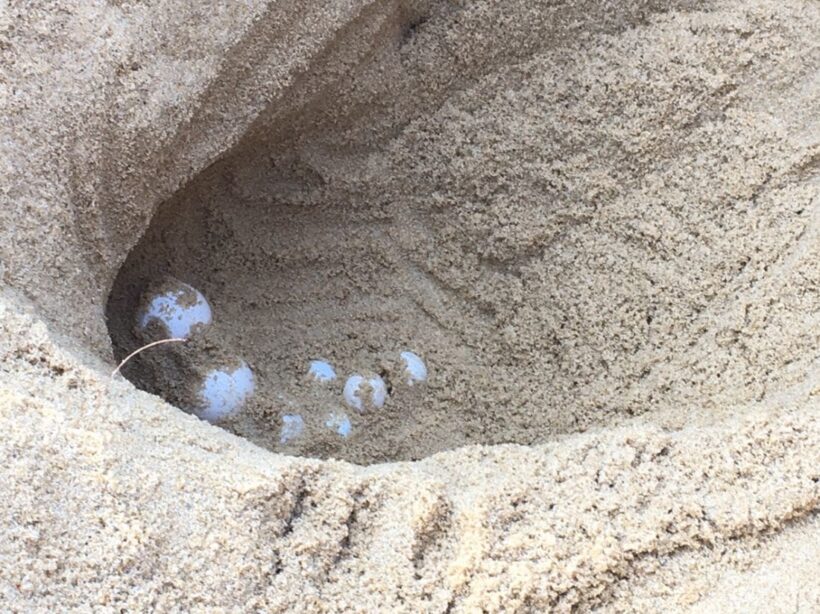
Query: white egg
[
  {"x": 321, "y": 371},
  {"x": 351, "y": 392},
  {"x": 378, "y": 391},
  {"x": 414, "y": 368},
  {"x": 292, "y": 427},
  {"x": 179, "y": 308},
  {"x": 224, "y": 391},
  {"x": 355, "y": 391},
  {"x": 340, "y": 423}
]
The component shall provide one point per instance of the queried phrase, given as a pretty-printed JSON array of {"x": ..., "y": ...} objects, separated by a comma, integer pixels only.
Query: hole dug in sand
[
  {"x": 554, "y": 270},
  {"x": 301, "y": 333}
]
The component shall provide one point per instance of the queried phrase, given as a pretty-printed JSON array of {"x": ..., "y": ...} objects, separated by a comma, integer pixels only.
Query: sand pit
[{"x": 598, "y": 226}]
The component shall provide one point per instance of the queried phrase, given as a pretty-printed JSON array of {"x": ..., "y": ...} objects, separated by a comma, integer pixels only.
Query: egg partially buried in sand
[
  {"x": 360, "y": 392},
  {"x": 293, "y": 425},
  {"x": 224, "y": 391},
  {"x": 415, "y": 371},
  {"x": 179, "y": 307},
  {"x": 321, "y": 371},
  {"x": 339, "y": 423}
]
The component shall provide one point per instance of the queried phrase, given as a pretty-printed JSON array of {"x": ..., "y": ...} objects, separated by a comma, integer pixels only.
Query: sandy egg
[
  {"x": 321, "y": 371},
  {"x": 292, "y": 427},
  {"x": 178, "y": 306},
  {"x": 224, "y": 391},
  {"x": 339, "y": 423},
  {"x": 360, "y": 392},
  {"x": 415, "y": 370}
]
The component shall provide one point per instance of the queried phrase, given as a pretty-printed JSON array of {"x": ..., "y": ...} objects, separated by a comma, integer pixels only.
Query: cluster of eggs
[
  {"x": 360, "y": 393},
  {"x": 178, "y": 310}
]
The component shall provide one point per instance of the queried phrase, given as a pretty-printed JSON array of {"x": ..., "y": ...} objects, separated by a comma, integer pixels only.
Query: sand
[{"x": 598, "y": 224}]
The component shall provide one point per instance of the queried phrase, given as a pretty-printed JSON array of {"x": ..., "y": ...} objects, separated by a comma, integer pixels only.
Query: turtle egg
[
  {"x": 179, "y": 307},
  {"x": 339, "y": 423},
  {"x": 292, "y": 427},
  {"x": 321, "y": 371},
  {"x": 357, "y": 387},
  {"x": 414, "y": 368},
  {"x": 224, "y": 391}
]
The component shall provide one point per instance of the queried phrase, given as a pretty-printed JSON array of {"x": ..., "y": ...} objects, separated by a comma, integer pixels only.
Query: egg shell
[
  {"x": 415, "y": 370},
  {"x": 321, "y": 371},
  {"x": 293, "y": 425},
  {"x": 339, "y": 423},
  {"x": 356, "y": 387},
  {"x": 224, "y": 391},
  {"x": 178, "y": 306}
]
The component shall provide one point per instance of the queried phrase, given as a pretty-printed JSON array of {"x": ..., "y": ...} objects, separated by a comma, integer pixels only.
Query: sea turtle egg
[
  {"x": 414, "y": 368},
  {"x": 339, "y": 423},
  {"x": 292, "y": 427},
  {"x": 179, "y": 308},
  {"x": 321, "y": 371},
  {"x": 355, "y": 388},
  {"x": 224, "y": 391}
]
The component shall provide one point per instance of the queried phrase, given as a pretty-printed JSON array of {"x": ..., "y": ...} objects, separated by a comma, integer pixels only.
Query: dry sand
[{"x": 599, "y": 223}]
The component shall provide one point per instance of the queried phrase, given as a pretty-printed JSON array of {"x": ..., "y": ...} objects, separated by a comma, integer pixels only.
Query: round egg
[
  {"x": 415, "y": 371},
  {"x": 179, "y": 307},
  {"x": 360, "y": 392},
  {"x": 321, "y": 371},
  {"x": 292, "y": 427},
  {"x": 224, "y": 391},
  {"x": 339, "y": 423}
]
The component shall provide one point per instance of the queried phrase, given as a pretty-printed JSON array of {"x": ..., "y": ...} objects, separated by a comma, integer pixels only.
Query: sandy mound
[{"x": 599, "y": 226}]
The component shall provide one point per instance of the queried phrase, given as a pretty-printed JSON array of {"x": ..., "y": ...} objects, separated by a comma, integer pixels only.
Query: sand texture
[{"x": 599, "y": 223}]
